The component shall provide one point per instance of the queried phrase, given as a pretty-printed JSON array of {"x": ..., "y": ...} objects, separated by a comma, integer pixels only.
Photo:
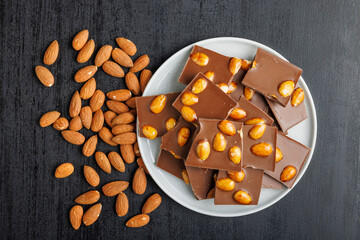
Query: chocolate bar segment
[
  {"x": 268, "y": 72},
  {"x": 166, "y": 161},
  {"x": 269, "y": 182},
  {"x": 201, "y": 181}
]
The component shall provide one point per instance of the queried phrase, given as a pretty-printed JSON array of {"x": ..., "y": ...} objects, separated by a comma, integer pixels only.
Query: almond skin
[
  {"x": 138, "y": 221},
  {"x": 103, "y": 162},
  {"x": 61, "y": 124},
  {"x": 109, "y": 116},
  {"x": 127, "y": 46},
  {"x": 86, "y": 117},
  {"x": 140, "y": 63},
  {"x": 75, "y": 123},
  {"x": 139, "y": 182},
  {"x": 86, "y": 52},
  {"x": 64, "y": 170},
  {"x": 97, "y": 100},
  {"x": 131, "y": 102},
  {"x": 85, "y": 73},
  {"x": 45, "y": 76},
  {"x": 75, "y": 215},
  {"x": 103, "y": 55},
  {"x": 151, "y": 203},
  {"x": 122, "y": 204},
  {"x": 124, "y": 118},
  {"x": 116, "y": 161},
  {"x": 89, "y": 197},
  {"x": 88, "y": 89},
  {"x": 117, "y": 107},
  {"x": 80, "y": 39},
  {"x": 141, "y": 164},
  {"x": 92, "y": 214},
  {"x": 123, "y": 128},
  {"x": 73, "y": 137},
  {"x": 127, "y": 152},
  {"x": 121, "y": 58},
  {"x": 132, "y": 83},
  {"x": 145, "y": 77},
  {"x": 113, "y": 69},
  {"x": 125, "y": 138},
  {"x": 114, "y": 188},
  {"x": 75, "y": 105},
  {"x": 49, "y": 118},
  {"x": 51, "y": 53},
  {"x": 137, "y": 150},
  {"x": 119, "y": 95},
  {"x": 97, "y": 121},
  {"x": 90, "y": 146},
  {"x": 107, "y": 136},
  {"x": 91, "y": 176}
]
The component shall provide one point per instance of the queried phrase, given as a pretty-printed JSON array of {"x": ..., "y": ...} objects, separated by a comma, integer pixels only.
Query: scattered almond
[
  {"x": 85, "y": 73},
  {"x": 127, "y": 46},
  {"x": 123, "y": 118},
  {"x": 45, "y": 76},
  {"x": 103, "y": 55},
  {"x": 141, "y": 164},
  {"x": 86, "y": 117},
  {"x": 122, "y": 204},
  {"x": 75, "y": 105},
  {"x": 73, "y": 137},
  {"x": 91, "y": 176},
  {"x": 51, "y": 53},
  {"x": 113, "y": 69},
  {"x": 145, "y": 76},
  {"x": 80, "y": 39},
  {"x": 131, "y": 102},
  {"x": 64, "y": 170},
  {"x": 89, "y": 197},
  {"x": 118, "y": 129},
  {"x": 121, "y": 58},
  {"x": 88, "y": 89},
  {"x": 97, "y": 121},
  {"x": 85, "y": 53},
  {"x": 114, "y": 188},
  {"x": 103, "y": 162},
  {"x": 61, "y": 124},
  {"x": 76, "y": 214},
  {"x": 117, "y": 107},
  {"x": 97, "y": 100},
  {"x": 151, "y": 203},
  {"x": 49, "y": 118},
  {"x": 137, "y": 150},
  {"x": 107, "y": 136},
  {"x": 138, "y": 221},
  {"x": 139, "y": 181},
  {"x": 116, "y": 161},
  {"x": 75, "y": 124},
  {"x": 140, "y": 63},
  {"x": 109, "y": 116},
  {"x": 90, "y": 146},
  {"x": 132, "y": 83},
  {"x": 127, "y": 152},
  {"x": 92, "y": 214},
  {"x": 125, "y": 138},
  {"x": 119, "y": 95}
]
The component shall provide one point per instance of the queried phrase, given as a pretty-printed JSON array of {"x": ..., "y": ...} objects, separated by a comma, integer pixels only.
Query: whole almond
[
  {"x": 138, "y": 221},
  {"x": 139, "y": 182},
  {"x": 64, "y": 170},
  {"x": 113, "y": 69},
  {"x": 127, "y": 46},
  {"x": 127, "y": 152},
  {"x": 141, "y": 164},
  {"x": 97, "y": 121},
  {"x": 121, "y": 58},
  {"x": 85, "y": 73},
  {"x": 51, "y": 53},
  {"x": 117, "y": 107},
  {"x": 45, "y": 76},
  {"x": 89, "y": 197},
  {"x": 122, "y": 205},
  {"x": 131, "y": 102},
  {"x": 107, "y": 136},
  {"x": 92, "y": 214},
  {"x": 49, "y": 118},
  {"x": 137, "y": 150},
  {"x": 145, "y": 77},
  {"x": 88, "y": 89},
  {"x": 133, "y": 111},
  {"x": 116, "y": 161},
  {"x": 109, "y": 116},
  {"x": 123, "y": 118},
  {"x": 75, "y": 105},
  {"x": 90, "y": 146},
  {"x": 91, "y": 176},
  {"x": 151, "y": 203},
  {"x": 125, "y": 138},
  {"x": 85, "y": 53},
  {"x": 103, "y": 55},
  {"x": 140, "y": 63},
  {"x": 97, "y": 100},
  {"x": 75, "y": 123},
  {"x": 80, "y": 39},
  {"x": 61, "y": 124},
  {"x": 103, "y": 162},
  {"x": 114, "y": 188},
  {"x": 119, "y": 95},
  {"x": 73, "y": 137},
  {"x": 86, "y": 117},
  {"x": 76, "y": 214},
  {"x": 122, "y": 128},
  {"x": 132, "y": 83}
]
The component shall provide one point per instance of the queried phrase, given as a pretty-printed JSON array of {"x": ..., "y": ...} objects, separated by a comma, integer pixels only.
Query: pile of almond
[{"x": 120, "y": 119}]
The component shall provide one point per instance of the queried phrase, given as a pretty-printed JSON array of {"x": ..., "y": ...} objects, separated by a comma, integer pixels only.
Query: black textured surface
[{"x": 322, "y": 37}]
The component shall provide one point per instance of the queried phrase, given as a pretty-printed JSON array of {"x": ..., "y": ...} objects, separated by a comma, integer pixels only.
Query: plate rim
[{"x": 284, "y": 191}]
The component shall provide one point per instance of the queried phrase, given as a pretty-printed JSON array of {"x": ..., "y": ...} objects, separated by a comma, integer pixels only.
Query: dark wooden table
[{"x": 322, "y": 37}]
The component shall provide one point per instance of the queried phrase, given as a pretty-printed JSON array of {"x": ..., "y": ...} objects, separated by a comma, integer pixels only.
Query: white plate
[{"x": 165, "y": 81}]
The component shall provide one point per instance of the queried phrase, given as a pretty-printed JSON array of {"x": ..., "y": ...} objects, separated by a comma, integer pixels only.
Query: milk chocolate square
[
  {"x": 270, "y": 183},
  {"x": 166, "y": 161},
  {"x": 294, "y": 154},
  {"x": 208, "y": 128},
  {"x": 201, "y": 181},
  {"x": 255, "y": 161},
  {"x": 147, "y": 117},
  {"x": 267, "y": 75},
  {"x": 217, "y": 63},
  {"x": 251, "y": 184},
  {"x": 212, "y": 101}
]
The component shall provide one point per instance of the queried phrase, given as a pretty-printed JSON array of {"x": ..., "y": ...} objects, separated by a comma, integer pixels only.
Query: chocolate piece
[
  {"x": 259, "y": 162},
  {"x": 251, "y": 184},
  {"x": 252, "y": 111},
  {"x": 218, "y": 63},
  {"x": 208, "y": 128},
  {"x": 166, "y": 161},
  {"x": 201, "y": 181},
  {"x": 212, "y": 101},
  {"x": 288, "y": 116},
  {"x": 294, "y": 154},
  {"x": 269, "y": 182},
  {"x": 146, "y": 117},
  {"x": 169, "y": 140},
  {"x": 269, "y": 72}
]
